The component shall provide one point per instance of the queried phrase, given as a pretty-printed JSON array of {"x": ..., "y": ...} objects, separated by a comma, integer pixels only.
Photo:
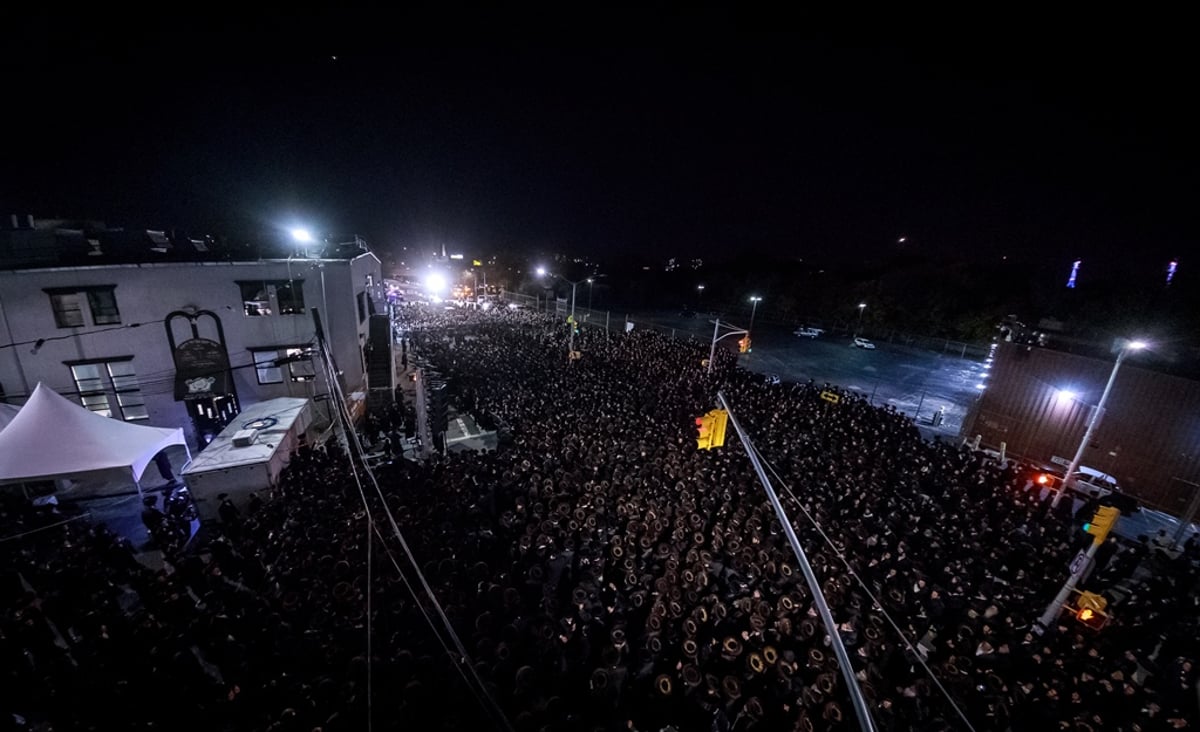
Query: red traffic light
[{"x": 1044, "y": 479}]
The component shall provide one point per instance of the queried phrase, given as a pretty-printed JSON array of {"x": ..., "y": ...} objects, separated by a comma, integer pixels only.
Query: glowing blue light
[
  {"x": 1074, "y": 274},
  {"x": 1171, "y": 270}
]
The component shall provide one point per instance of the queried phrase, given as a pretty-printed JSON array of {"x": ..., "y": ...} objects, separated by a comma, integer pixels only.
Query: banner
[{"x": 201, "y": 370}]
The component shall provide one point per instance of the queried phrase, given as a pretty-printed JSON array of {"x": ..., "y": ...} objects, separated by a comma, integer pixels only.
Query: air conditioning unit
[{"x": 245, "y": 438}]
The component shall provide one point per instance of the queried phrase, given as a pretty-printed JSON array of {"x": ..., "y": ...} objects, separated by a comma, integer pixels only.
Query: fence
[{"x": 609, "y": 320}]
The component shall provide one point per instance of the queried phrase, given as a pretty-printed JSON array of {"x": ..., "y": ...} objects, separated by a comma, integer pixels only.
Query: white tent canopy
[
  {"x": 7, "y": 412},
  {"x": 52, "y": 437}
]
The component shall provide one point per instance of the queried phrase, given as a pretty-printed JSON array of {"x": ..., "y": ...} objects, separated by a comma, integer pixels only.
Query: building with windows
[{"x": 169, "y": 330}]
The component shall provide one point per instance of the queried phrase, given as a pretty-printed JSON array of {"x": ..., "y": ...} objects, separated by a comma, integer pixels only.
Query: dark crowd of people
[{"x": 602, "y": 573}]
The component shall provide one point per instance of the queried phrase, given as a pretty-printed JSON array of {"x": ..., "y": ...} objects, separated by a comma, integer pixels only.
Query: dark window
[
  {"x": 67, "y": 303},
  {"x": 362, "y": 306},
  {"x": 290, "y": 295},
  {"x": 103, "y": 303}
]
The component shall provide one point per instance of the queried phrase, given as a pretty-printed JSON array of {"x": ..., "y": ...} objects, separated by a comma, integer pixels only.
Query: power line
[
  {"x": 862, "y": 711},
  {"x": 874, "y": 600},
  {"x": 39, "y": 342},
  {"x": 355, "y": 448}
]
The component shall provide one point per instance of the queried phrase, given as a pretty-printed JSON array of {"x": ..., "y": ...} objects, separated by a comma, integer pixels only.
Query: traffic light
[
  {"x": 744, "y": 344},
  {"x": 1102, "y": 523},
  {"x": 720, "y": 418},
  {"x": 704, "y": 432},
  {"x": 1090, "y": 610},
  {"x": 711, "y": 429}
]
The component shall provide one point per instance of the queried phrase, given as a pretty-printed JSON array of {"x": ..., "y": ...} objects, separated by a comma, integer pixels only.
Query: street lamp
[
  {"x": 302, "y": 236},
  {"x": 754, "y": 301},
  {"x": 1069, "y": 481},
  {"x": 542, "y": 272},
  {"x": 700, "y": 296},
  {"x": 591, "y": 283},
  {"x": 712, "y": 349},
  {"x": 861, "y": 307}
]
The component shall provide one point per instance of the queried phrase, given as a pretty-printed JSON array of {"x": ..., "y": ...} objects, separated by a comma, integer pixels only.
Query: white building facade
[{"x": 110, "y": 336}]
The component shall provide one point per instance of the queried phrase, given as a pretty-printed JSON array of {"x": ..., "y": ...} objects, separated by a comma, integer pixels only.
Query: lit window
[
  {"x": 264, "y": 365},
  {"x": 110, "y": 388},
  {"x": 271, "y": 297},
  {"x": 269, "y": 363}
]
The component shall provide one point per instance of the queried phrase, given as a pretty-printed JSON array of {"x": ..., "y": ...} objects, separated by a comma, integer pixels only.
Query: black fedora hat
[
  {"x": 731, "y": 646},
  {"x": 599, "y": 679},
  {"x": 832, "y": 712},
  {"x": 755, "y": 662}
]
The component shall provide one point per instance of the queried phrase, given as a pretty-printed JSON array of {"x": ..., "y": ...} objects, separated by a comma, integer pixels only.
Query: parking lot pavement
[{"x": 913, "y": 381}]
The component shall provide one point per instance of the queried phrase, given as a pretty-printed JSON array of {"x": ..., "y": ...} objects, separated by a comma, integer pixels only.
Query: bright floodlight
[
  {"x": 304, "y": 236},
  {"x": 1064, "y": 395},
  {"x": 541, "y": 271},
  {"x": 1136, "y": 345},
  {"x": 755, "y": 298},
  {"x": 862, "y": 304},
  {"x": 435, "y": 282}
]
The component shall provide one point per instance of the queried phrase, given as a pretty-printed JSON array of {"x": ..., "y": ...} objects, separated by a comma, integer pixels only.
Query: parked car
[
  {"x": 862, "y": 343},
  {"x": 807, "y": 332},
  {"x": 1089, "y": 482},
  {"x": 1095, "y": 484}
]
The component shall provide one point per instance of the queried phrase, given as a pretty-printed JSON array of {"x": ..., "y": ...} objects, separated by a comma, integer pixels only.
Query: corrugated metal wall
[{"x": 1148, "y": 437}]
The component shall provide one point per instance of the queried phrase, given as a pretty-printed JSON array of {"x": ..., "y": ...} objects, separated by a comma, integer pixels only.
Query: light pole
[
  {"x": 861, "y": 307},
  {"x": 542, "y": 272},
  {"x": 699, "y": 297},
  {"x": 712, "y": 349},
  {"x": 591, "y": 285},
  {"x": 754, "y": 301},
  {"x": 1069, "y": 480}
]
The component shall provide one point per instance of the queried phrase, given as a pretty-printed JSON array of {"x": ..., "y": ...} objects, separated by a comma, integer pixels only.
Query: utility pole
[
  {"x": 571, "y": 338},
  {"x": 1069, "y": 480},
  {"x": 1100, "y": 525},
  {"x": 712, "y": 349}
]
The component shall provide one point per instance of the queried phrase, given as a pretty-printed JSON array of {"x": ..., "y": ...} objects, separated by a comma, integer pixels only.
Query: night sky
[{"x": 664, "y": 135}]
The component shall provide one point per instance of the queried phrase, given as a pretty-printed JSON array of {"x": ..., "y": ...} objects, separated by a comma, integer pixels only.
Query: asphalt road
[{"x": 914, "y": 381}]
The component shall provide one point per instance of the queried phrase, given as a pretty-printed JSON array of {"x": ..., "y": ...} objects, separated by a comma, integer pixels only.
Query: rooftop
[{"x": 30, "y": 243}]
